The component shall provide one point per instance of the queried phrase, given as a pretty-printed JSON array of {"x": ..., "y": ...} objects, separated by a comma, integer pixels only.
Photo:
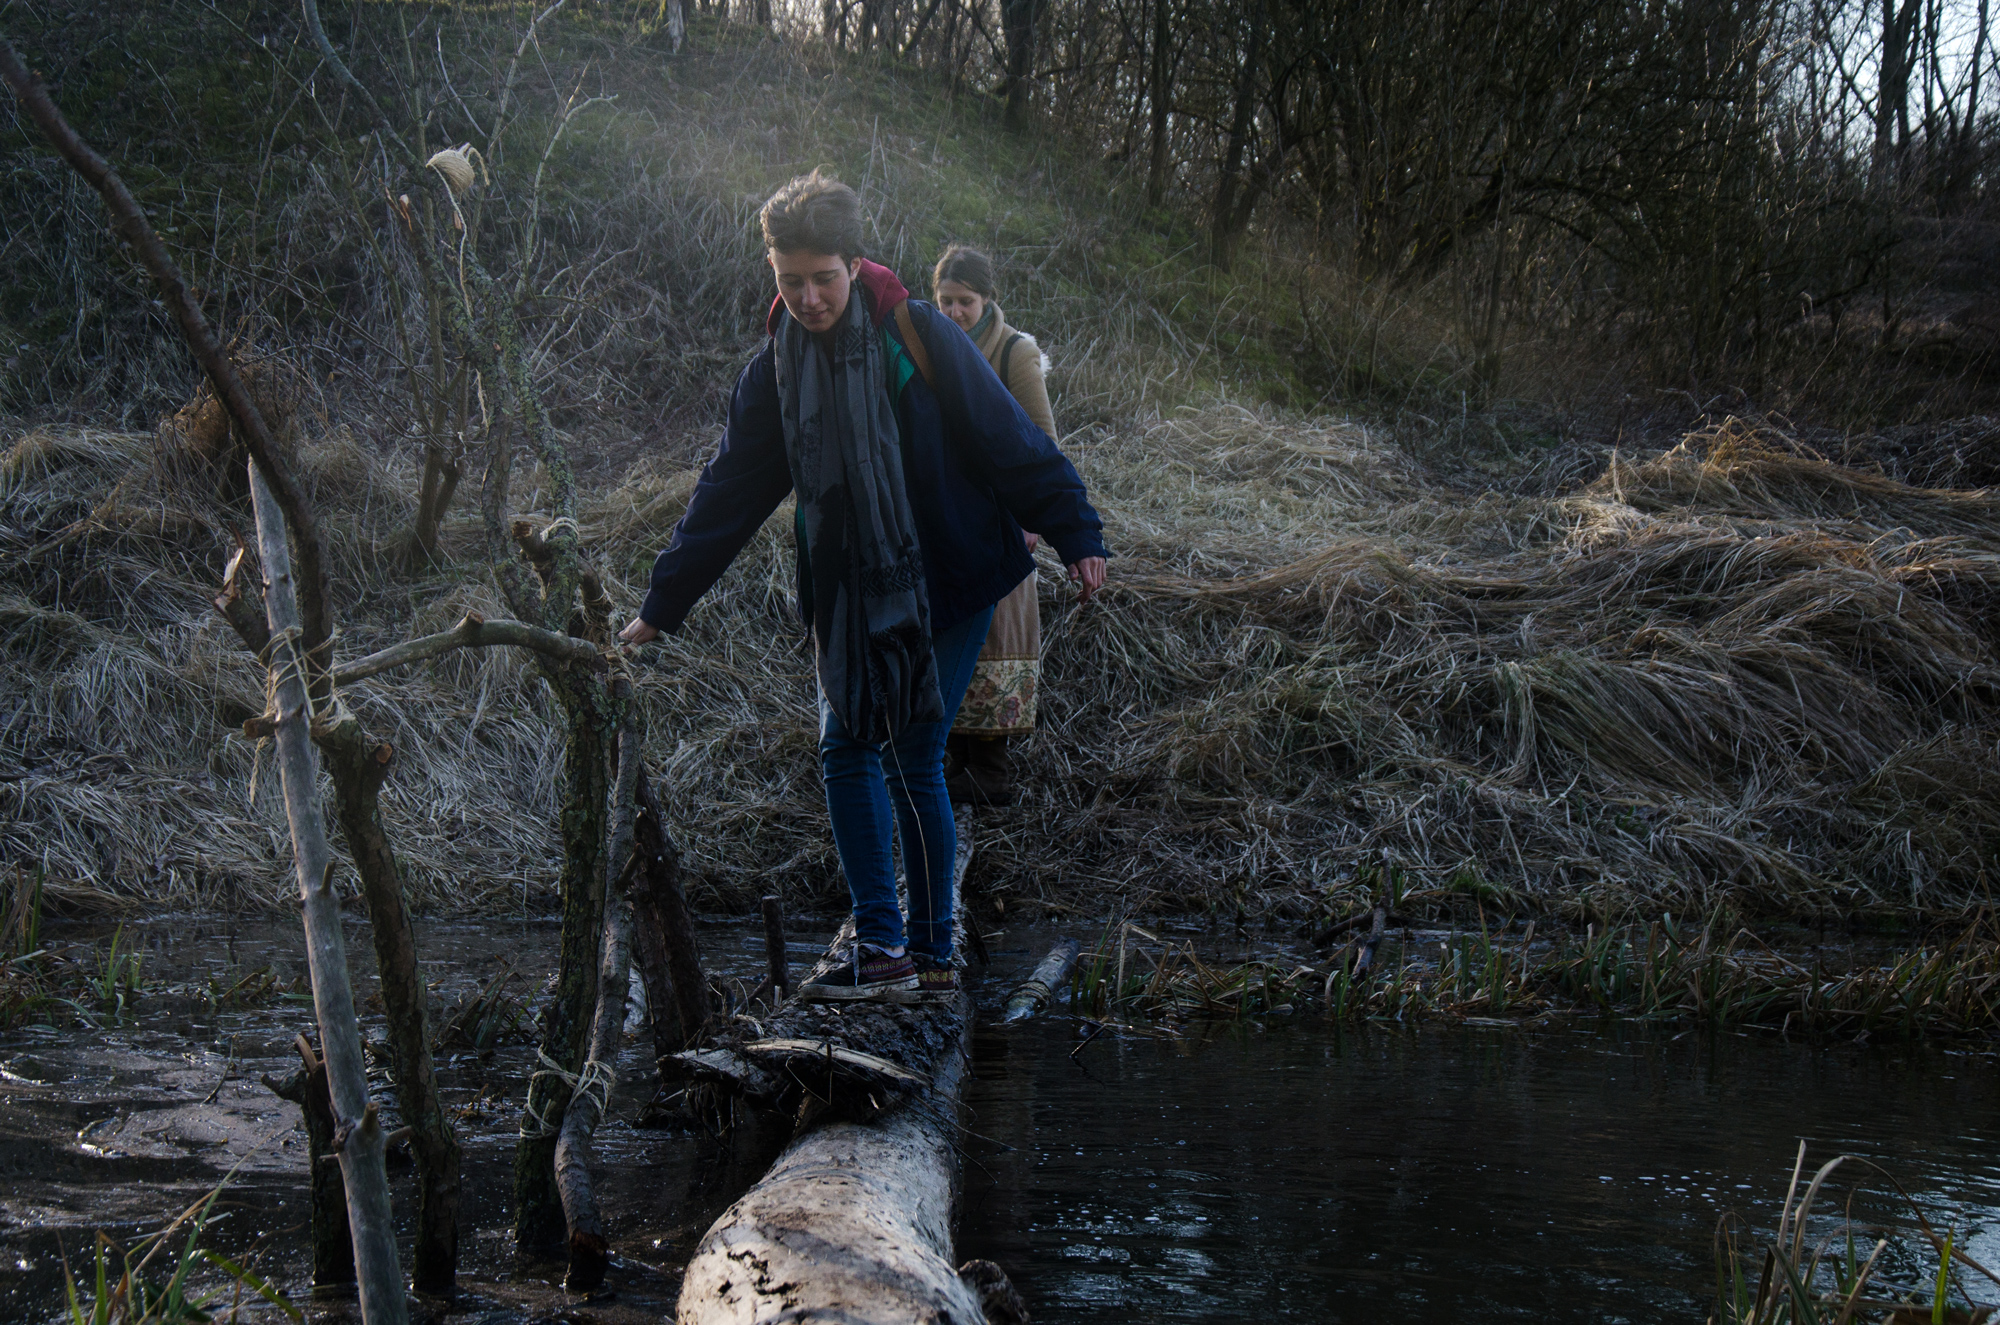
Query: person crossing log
[{"x": 853, "y": 1221}]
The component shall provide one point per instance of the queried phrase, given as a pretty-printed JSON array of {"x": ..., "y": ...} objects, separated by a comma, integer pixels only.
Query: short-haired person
[
  {"x": 914, "y": 471},
  {"x": 999, "y": 701}
]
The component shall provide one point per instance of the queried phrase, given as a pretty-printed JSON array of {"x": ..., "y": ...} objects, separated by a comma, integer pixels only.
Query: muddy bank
[{"x": 119, "y": 1127}]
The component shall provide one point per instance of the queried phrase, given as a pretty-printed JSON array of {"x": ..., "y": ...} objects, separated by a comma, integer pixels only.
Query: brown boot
[{"x": 984, "y": 776}]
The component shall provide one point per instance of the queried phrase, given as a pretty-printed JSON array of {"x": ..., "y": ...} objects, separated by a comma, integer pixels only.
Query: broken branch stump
[
  {"x": 774, "y": 947},
  {"x": 332, "y": 1249}
]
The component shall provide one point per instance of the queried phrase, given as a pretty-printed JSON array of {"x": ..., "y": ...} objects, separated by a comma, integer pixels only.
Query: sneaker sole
[{"x": 885, "y": 992}]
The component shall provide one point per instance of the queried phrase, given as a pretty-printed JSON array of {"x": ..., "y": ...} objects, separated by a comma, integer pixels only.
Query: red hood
[{"x": 885, "y": 291}]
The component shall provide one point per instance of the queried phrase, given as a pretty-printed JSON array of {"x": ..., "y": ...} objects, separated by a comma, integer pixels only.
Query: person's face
[
  {"x": 814, "y": 286},
  {"x": 961, "y": 303}
]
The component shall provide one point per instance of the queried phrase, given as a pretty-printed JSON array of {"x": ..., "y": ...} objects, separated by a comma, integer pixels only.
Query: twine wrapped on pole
[{"x": 358, "y": 1138}]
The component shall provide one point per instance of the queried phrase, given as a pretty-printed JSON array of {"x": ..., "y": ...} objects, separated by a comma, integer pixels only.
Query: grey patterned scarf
[{"x": 871, "y": 615}]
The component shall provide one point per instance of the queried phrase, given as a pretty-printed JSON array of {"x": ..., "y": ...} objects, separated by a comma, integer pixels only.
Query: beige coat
[
  {"x": 1025, "y": 366},
  {"x": 1001, "y": 699}
]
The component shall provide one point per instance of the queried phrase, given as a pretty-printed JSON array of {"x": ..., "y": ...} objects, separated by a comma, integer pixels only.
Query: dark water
[
  {"x": 1462, "y": 1175},
  {"x": 119, "y": 1127},
  {"x": 1235, "y": 1174}
]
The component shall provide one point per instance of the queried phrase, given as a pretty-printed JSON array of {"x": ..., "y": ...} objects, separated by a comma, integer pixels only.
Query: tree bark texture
[
  {"x": 1159, "y": 99},
  {"x": 359, "y": 764},
  {"x": 589, "y": 1252},
  {"x": 1019, "y": 21},
  {"x": 332, "y": 1247},
  {"x": 663, "y": 933},
  {"x": 358, "y": 1139},
  {"x": 1228, "y": 217},
  {"x": 538, "y": 1214},
  {"x": 853, "y": 1222},
  {"x": 775, "y": 959},
  {"x": 474, "y": 632}
]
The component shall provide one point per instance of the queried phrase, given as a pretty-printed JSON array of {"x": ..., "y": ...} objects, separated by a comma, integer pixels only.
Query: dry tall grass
[{"x": 1731, "y": 671}]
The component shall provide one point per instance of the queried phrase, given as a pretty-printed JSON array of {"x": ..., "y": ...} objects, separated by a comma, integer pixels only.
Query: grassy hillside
[{"x": 1725, "y": 672}]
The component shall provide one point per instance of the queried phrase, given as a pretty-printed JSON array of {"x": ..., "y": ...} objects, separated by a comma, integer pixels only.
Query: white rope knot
[
  {"x": 293, "y": 666},
  {"x": 594, "y": 1083}
]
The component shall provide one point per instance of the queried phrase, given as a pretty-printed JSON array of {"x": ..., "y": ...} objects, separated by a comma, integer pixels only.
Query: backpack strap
[
  {"x": 1007, "y": 353},
  {"x": 920, "y": 354}
]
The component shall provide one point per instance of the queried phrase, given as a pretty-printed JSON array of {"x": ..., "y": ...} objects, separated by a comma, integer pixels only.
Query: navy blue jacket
[{"x": 978, "y": 469}]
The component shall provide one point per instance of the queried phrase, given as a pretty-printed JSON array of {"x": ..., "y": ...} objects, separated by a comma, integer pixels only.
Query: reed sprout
[
  {"x": 1802, "y": 1277},
  {"x": 122, "y": 1293}
]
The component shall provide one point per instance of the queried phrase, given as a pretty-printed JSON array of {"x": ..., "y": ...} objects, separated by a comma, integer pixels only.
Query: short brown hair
[
  {"x": 814, "y": 214},
  {"x": 968, "y": 266}
]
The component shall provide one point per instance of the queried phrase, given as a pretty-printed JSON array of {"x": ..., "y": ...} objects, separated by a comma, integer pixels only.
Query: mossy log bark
[
  {"x": 853, "y": 1222},
  {"x": 358, "y": 765}
]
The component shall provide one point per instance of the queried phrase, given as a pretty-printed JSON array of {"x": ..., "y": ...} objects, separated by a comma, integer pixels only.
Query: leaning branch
[
  {"x": 475, "y": 632},
  {"x": 130, "y": 224},
  {"x": 358, "y": 1139},
  {"x": 346, "y": 75}
]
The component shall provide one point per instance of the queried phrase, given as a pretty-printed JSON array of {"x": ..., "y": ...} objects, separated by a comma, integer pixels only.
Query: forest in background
[
  {"x": 1779, "y": 204},
  {"x": 1502, "y": 525}
]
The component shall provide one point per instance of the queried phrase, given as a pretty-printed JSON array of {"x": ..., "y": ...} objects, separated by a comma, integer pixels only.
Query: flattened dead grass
[{"x": 1734, "y": 672}]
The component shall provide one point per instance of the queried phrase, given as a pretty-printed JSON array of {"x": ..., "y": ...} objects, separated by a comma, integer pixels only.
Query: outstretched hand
[
  {"x": 1089, "y": 577},
  {"x": 639, "y": 632}
]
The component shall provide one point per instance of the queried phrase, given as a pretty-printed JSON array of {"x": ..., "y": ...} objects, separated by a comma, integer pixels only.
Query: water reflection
[{"x": 1464, "y": 1175}]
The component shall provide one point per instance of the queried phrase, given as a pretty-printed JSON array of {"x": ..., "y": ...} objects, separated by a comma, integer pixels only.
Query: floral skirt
[{"x": 1001, "y": 699}]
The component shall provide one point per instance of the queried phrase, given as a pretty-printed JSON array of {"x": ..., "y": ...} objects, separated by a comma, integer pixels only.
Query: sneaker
[
  {"x": 936, "y": 979},
  {"x": 871, "y": 974}
]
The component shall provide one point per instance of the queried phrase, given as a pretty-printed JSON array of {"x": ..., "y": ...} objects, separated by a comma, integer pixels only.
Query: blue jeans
[{"x": 861, "y": 782}]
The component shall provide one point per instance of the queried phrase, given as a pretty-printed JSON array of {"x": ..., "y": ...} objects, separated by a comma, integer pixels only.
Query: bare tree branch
[
  {"x": 130, "y": 223},
  {"x": 475, "y": 632}
]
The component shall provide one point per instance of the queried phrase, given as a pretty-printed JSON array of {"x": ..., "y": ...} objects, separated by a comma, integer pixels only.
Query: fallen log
[
  {"x": 1034, "y": 993},
  {"x": 853, "y": 1221}
]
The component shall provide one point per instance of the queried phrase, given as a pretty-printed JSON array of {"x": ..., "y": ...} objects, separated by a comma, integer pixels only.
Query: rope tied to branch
[
  {"x": 594, "y": 1083},
  {"x": 294, "y": 666}
]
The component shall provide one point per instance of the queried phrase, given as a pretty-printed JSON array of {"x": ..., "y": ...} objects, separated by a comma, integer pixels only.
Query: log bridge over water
[{"x": 853, "y": 1222}]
